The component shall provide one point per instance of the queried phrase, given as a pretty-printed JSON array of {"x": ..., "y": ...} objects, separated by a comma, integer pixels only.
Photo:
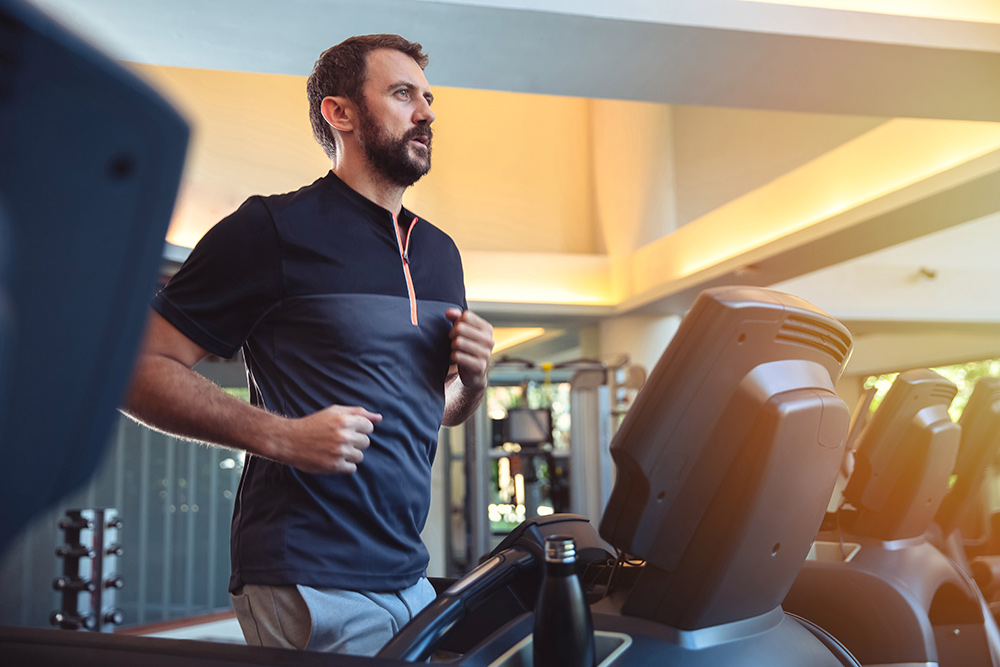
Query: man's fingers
[
  {"x": 480, "y": 339},
  {"x": 354, "y": 453},
  {"x": 372, "y": 417},
  {"x": 332, "y": 440},
  {"x": 479, "y": 346},
  {"x": 471, "y": 345},
  {"x": 361, "y": 441},
  {"x": 472, "y": 339},
  {"x": 346, "y": 452},
  {"x": 470, "y": 355},
  {"x": 359, "y": 424},
  {"x": 342, "y": 467},
  {"x": 353, "y": 429},
  {"x": 470, "y": 324},
  {"x": 469, "y": 362}
]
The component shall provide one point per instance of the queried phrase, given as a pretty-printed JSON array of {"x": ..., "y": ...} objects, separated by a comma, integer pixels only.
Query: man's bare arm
[
  {"x": 468, "y": 376},
  {"x": 168, "y": 395}
]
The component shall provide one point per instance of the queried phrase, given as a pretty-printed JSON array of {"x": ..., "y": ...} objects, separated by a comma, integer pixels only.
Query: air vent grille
[
  {"x": 944, "y": 392},
  {"x": 816, "y": 334}
]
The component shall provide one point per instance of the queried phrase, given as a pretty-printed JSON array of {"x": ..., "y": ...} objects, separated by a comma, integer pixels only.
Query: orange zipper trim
[{"x": 404, "y": 256}]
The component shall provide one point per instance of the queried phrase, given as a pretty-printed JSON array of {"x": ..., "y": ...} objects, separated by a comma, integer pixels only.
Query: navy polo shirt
[{"x": 328, "y": 310}]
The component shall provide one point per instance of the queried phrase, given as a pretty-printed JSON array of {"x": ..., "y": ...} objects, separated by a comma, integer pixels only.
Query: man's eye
[{"x": 403, "y": 92}]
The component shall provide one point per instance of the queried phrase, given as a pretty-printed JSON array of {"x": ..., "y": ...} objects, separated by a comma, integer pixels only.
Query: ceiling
[{"x": 597, "y": 160}]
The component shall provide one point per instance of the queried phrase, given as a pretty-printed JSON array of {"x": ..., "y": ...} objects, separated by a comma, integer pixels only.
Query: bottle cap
[{"x": 560, "y": 549}]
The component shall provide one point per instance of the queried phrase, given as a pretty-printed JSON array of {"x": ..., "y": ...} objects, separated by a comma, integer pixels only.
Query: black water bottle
[{"x": 564, "y": 630}]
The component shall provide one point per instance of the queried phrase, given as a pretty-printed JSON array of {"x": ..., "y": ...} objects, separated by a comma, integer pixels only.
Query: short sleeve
[{"x": 229, "y": 282}]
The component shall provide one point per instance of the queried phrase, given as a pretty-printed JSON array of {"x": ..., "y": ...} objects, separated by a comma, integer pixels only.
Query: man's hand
[
  {"x": 331, "y": 441},
  {"x": 168, "y": 395},
  {"x": 471, "y": 344}
]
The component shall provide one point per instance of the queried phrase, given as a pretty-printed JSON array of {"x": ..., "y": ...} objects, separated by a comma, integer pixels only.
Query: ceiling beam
[
  {"x": 946, "y": 70},
  {"x": 943, "y": 209}
]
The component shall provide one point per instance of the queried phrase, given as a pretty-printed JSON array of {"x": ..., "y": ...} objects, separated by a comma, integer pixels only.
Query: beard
[{"x": 390, "y": 156}]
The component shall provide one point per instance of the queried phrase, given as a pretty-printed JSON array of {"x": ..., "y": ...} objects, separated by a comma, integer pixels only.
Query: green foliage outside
[{"x": 964, "y": 376}]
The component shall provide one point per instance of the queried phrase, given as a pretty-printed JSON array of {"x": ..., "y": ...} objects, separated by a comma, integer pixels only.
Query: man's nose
[{"x": 424, "y": 113}]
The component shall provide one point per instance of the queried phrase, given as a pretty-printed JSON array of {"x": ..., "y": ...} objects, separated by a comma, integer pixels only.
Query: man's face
[{"x": 394, "y": 117}]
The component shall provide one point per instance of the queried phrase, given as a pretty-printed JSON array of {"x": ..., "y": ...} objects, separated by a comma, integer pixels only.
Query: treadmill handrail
[{"x": 418, "y": 638}]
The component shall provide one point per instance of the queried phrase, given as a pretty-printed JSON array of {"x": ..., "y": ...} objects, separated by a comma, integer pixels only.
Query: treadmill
[
  {"x": 878, "y": 578},
  {"x": 725, "y": 465}
]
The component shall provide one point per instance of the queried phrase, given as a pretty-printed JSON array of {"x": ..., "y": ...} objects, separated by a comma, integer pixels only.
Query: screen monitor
[
  {"x": 91, "y": 162},
  {"x": 980, "y": 445},
  {"x": 904, "y": 459},
  {"x": 528, "y": 426},
  {"x": 728, "y": 457}
]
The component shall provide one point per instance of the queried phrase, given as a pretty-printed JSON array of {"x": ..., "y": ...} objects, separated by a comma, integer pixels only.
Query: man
[{"x": 350, "y": 313}]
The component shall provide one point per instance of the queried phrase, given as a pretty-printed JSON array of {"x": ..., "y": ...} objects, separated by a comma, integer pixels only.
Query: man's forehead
[{"x": 387, "y": 66}]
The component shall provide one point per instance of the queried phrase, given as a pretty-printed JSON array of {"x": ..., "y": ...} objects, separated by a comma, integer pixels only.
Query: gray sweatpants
[{"x": 328, "y": 619}]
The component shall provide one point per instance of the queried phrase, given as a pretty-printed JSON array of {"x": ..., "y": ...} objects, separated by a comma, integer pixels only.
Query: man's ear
[{"x": 339, "y": 113}]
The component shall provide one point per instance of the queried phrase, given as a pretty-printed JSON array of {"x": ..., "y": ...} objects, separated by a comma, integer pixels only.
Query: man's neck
[{"x": 363, "y": 181}]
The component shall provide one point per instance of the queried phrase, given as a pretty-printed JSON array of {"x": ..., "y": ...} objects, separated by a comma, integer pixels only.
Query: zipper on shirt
[{"x": 404, "y": 256}]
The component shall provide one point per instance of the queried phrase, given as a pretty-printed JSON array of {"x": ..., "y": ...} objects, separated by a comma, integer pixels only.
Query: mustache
[{"x": 423, "y": 132}]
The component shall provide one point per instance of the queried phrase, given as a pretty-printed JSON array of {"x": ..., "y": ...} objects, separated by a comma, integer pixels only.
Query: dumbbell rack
[{"x": 89, "y": 580}]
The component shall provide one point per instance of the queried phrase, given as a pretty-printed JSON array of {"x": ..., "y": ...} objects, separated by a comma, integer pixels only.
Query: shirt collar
[{"x": 376, "y": 212}]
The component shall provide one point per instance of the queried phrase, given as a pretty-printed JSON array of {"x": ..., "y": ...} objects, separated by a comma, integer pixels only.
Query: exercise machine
[
  {"x": 876, "y": 580},
  {"x": 725, "y": 465}
]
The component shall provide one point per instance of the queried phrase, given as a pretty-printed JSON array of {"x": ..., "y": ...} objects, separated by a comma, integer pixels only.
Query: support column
[
  {"x": 633, "y": 178},
  {"x": 642, "y": 337}
]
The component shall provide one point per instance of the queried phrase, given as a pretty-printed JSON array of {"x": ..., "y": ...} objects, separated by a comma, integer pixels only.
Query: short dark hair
[{"x": 341, "y": 71}]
